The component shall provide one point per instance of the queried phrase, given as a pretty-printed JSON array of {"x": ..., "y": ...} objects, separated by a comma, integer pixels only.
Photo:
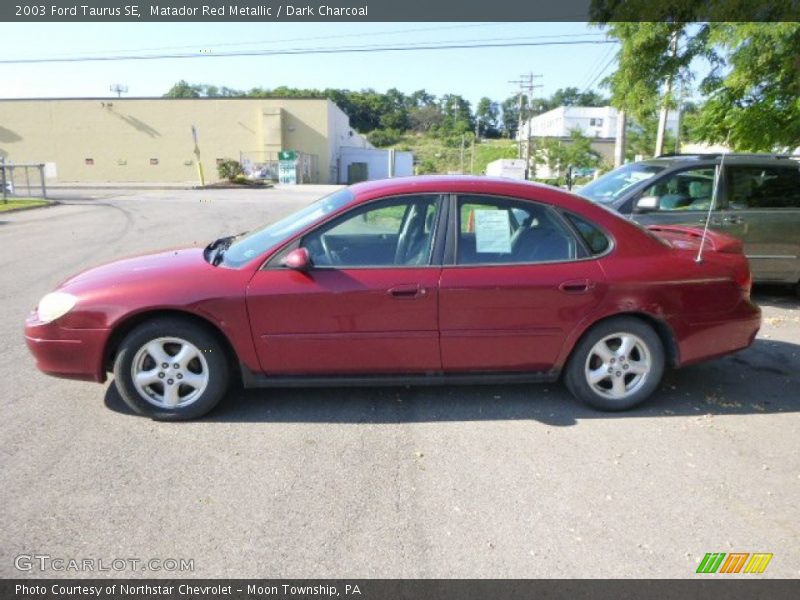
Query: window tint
[
  {"x": 385, "y": 233},
  {"x": 685, "y": 190},
  {"x": 763, "y": 187},
  {"x": 501, "y": 230},
  {"x": 595, "y": 239}
]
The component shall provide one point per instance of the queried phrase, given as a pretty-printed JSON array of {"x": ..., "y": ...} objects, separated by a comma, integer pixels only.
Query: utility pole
[
  {"x": 526, "y": 85},
  {"x": 679, "y": 117},
  {"x": 619, "y": 146}
]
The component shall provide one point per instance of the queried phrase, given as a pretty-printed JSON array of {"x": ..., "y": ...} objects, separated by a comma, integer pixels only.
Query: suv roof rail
[{"x": 734, "y": 154}]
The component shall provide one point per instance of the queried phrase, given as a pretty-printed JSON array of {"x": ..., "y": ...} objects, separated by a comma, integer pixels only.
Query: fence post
[
  {"x": 3, "y": 178},
  {"x": 41, "y": 178}
]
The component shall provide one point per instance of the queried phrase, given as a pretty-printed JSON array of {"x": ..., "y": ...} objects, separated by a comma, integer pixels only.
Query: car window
[
  {"x": 502, "y": 230},
  {"x": 259, "y": 241},
  {"x": 763, "y": 187},
  {"x": 614, "y": 185},
  {"x": 595, "y": 239},
  {"x": 394, "y": 232},
  {"x": 684, "y": 190}
]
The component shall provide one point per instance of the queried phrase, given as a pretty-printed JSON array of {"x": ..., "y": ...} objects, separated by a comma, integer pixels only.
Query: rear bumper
[
  {"x": 69, "y": 353},
  {"x": 729, "y": 333}
]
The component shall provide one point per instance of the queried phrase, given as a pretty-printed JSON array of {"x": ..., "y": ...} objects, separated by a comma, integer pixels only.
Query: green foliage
[
  {"x": 755, "y": 105},
  {"x": 641, "y": 138},
  {"x": 577, "y": 152},
  {"x": 753, "y": 88},
  {"x": 182, "y": 89},
  {"x": 230, "y": 169},
  {"x": 384, "y": 137}
]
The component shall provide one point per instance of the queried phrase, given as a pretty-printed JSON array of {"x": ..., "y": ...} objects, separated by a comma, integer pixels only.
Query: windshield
[
  {"x": 256, "y": 242},
  {"x": 612, "y": 185}
]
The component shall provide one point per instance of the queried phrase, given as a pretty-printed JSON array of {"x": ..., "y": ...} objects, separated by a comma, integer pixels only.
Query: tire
[
  {"x": 634, "y": 375},
  {"x": 172, "y": 393}
]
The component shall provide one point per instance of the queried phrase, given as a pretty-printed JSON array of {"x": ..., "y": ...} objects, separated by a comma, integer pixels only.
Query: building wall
[
  {"x": 592, "y": 121},
  {"x": 377, "y": 161},
  {"x": 141, "y": 140}
]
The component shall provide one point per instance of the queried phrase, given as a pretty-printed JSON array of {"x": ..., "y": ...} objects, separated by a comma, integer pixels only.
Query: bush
[
  {"x": 384, "y": 137},
  {"x": 230, "y": 169}
]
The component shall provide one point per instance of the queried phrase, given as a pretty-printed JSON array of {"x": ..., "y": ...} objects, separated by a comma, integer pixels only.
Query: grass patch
[
  {"x": 17, "y": 203},
  {"x": 437, "y": 155}
]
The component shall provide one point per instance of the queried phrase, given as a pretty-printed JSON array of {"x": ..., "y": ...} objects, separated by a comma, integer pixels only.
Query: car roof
[{"x": 446, "y": 183}]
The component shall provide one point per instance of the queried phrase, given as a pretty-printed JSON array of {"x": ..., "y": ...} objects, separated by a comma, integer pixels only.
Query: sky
[{"x": 472, "y": 73}]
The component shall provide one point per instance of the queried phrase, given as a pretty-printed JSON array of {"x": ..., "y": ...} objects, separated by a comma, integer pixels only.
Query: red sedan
[{"x": 409, "y": 280}]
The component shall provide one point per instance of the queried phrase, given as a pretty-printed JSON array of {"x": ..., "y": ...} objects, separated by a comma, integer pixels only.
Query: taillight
[{"x": 744, "y": 278}]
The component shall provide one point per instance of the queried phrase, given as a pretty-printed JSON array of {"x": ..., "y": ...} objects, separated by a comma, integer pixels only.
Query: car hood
[{"x": 177, "y": 264}]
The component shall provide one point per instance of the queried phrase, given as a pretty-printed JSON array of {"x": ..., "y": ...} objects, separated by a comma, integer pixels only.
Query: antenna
[
  {"x": 119, "y": 89},
  {"x": 717, "y": 177}
]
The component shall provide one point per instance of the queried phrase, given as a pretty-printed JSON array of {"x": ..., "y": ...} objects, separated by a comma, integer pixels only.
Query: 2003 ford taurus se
[{"x": 409, "y": 280}]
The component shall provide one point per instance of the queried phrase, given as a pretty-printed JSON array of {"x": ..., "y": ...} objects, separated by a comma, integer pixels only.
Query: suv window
[
  {"x": 501, "y": 230},
  {"x": 763, "y": 187},
  {"x": 684, "y": 190}
]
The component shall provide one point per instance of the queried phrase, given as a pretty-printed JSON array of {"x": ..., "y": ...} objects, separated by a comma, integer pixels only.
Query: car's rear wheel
[
  {"x": 616, "y": 365},
  {"x": 171, "y": 369}
]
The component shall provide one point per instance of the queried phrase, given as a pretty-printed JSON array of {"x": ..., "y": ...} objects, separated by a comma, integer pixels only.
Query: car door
[
  {"x": 763, "y": 210},
  {"x": 369, "y": 304},
  {"x": 517, "y": 279}
]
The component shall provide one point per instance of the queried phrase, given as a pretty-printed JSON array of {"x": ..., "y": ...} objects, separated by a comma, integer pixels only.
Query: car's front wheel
[
  {"x": 171, "y": 369},
  {"x": 616, "y": 365}
]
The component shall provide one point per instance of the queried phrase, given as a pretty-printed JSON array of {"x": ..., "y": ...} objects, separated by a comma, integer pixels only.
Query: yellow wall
[{"x": 122, "y": 135}]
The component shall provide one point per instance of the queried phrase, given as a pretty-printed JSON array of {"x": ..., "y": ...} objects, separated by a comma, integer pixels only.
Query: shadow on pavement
[{"x": 763, "y": 379}]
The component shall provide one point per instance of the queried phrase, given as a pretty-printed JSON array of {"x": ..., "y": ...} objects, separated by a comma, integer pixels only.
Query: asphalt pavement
[{"x": 496, "y": 481}]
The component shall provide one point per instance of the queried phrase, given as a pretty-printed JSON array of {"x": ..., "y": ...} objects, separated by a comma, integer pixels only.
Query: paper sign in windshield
[{"x": 492, "y": 232}]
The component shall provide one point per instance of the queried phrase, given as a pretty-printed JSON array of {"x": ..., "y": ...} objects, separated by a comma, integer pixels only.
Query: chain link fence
[
  {"x": 26, "y": 180},
  {"x": 264, "y": 165}
]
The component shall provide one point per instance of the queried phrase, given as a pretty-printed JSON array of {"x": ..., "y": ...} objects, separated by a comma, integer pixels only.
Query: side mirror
[
  {"x": 646, "y": 204},
  {"x": 297, "y": 260}
]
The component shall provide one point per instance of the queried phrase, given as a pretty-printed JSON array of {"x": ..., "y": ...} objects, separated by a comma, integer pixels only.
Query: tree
[
  {"x": 754, "y": 83},
  {"x": 755, "y": 105},
  {"x": 183, "y": 89},
  {"x": 510, "y": 119},
  {"x": 487, "y": 114},
  {"x": 457, "y": 114},
  {"x": 571, "y": 96},
  {"x": 559, "y": 154}
]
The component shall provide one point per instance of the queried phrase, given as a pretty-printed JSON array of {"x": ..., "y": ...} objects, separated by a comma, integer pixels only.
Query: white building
[
  {"x": 362, "y": 164},
  {"x": 592, "y": 121}
]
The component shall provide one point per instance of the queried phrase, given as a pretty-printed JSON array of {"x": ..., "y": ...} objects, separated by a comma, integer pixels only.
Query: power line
[
  {"x": 601, "y": 58},
  {"x": 325, "y": 37},
  {"x": 300, "y": 51},
  {"x": 603, "y": 70}
]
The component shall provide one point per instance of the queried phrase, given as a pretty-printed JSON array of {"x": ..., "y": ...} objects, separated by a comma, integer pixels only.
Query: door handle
[
  {"x": 735, "y": 220},
  {"x": 577, "y": 286},
  {"x": 407, "y": 291},
  {"x": 712, "y": 221}
]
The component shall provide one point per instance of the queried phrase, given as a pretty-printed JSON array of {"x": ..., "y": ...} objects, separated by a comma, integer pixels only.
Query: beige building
[{"x": 162, "y": 139}]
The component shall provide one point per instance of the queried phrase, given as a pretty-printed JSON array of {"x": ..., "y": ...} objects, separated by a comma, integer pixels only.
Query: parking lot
[{"x": 496, "y": 481}]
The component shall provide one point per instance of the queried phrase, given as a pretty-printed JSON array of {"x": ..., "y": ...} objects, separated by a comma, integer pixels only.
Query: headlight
[{"x": 55, "y": 305}]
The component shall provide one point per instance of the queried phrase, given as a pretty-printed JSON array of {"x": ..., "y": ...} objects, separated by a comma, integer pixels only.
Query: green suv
[{"x": 757, "y": 201}]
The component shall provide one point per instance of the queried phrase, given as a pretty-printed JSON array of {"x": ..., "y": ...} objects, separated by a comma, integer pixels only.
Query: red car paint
[{"x": 422, "y": 319}]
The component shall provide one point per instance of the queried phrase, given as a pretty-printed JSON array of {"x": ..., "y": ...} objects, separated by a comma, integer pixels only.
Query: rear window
[{"x": 595, "y": 239}]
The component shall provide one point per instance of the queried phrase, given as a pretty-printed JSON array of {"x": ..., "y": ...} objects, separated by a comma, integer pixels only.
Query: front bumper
[{"x": 69, "y": 353}]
